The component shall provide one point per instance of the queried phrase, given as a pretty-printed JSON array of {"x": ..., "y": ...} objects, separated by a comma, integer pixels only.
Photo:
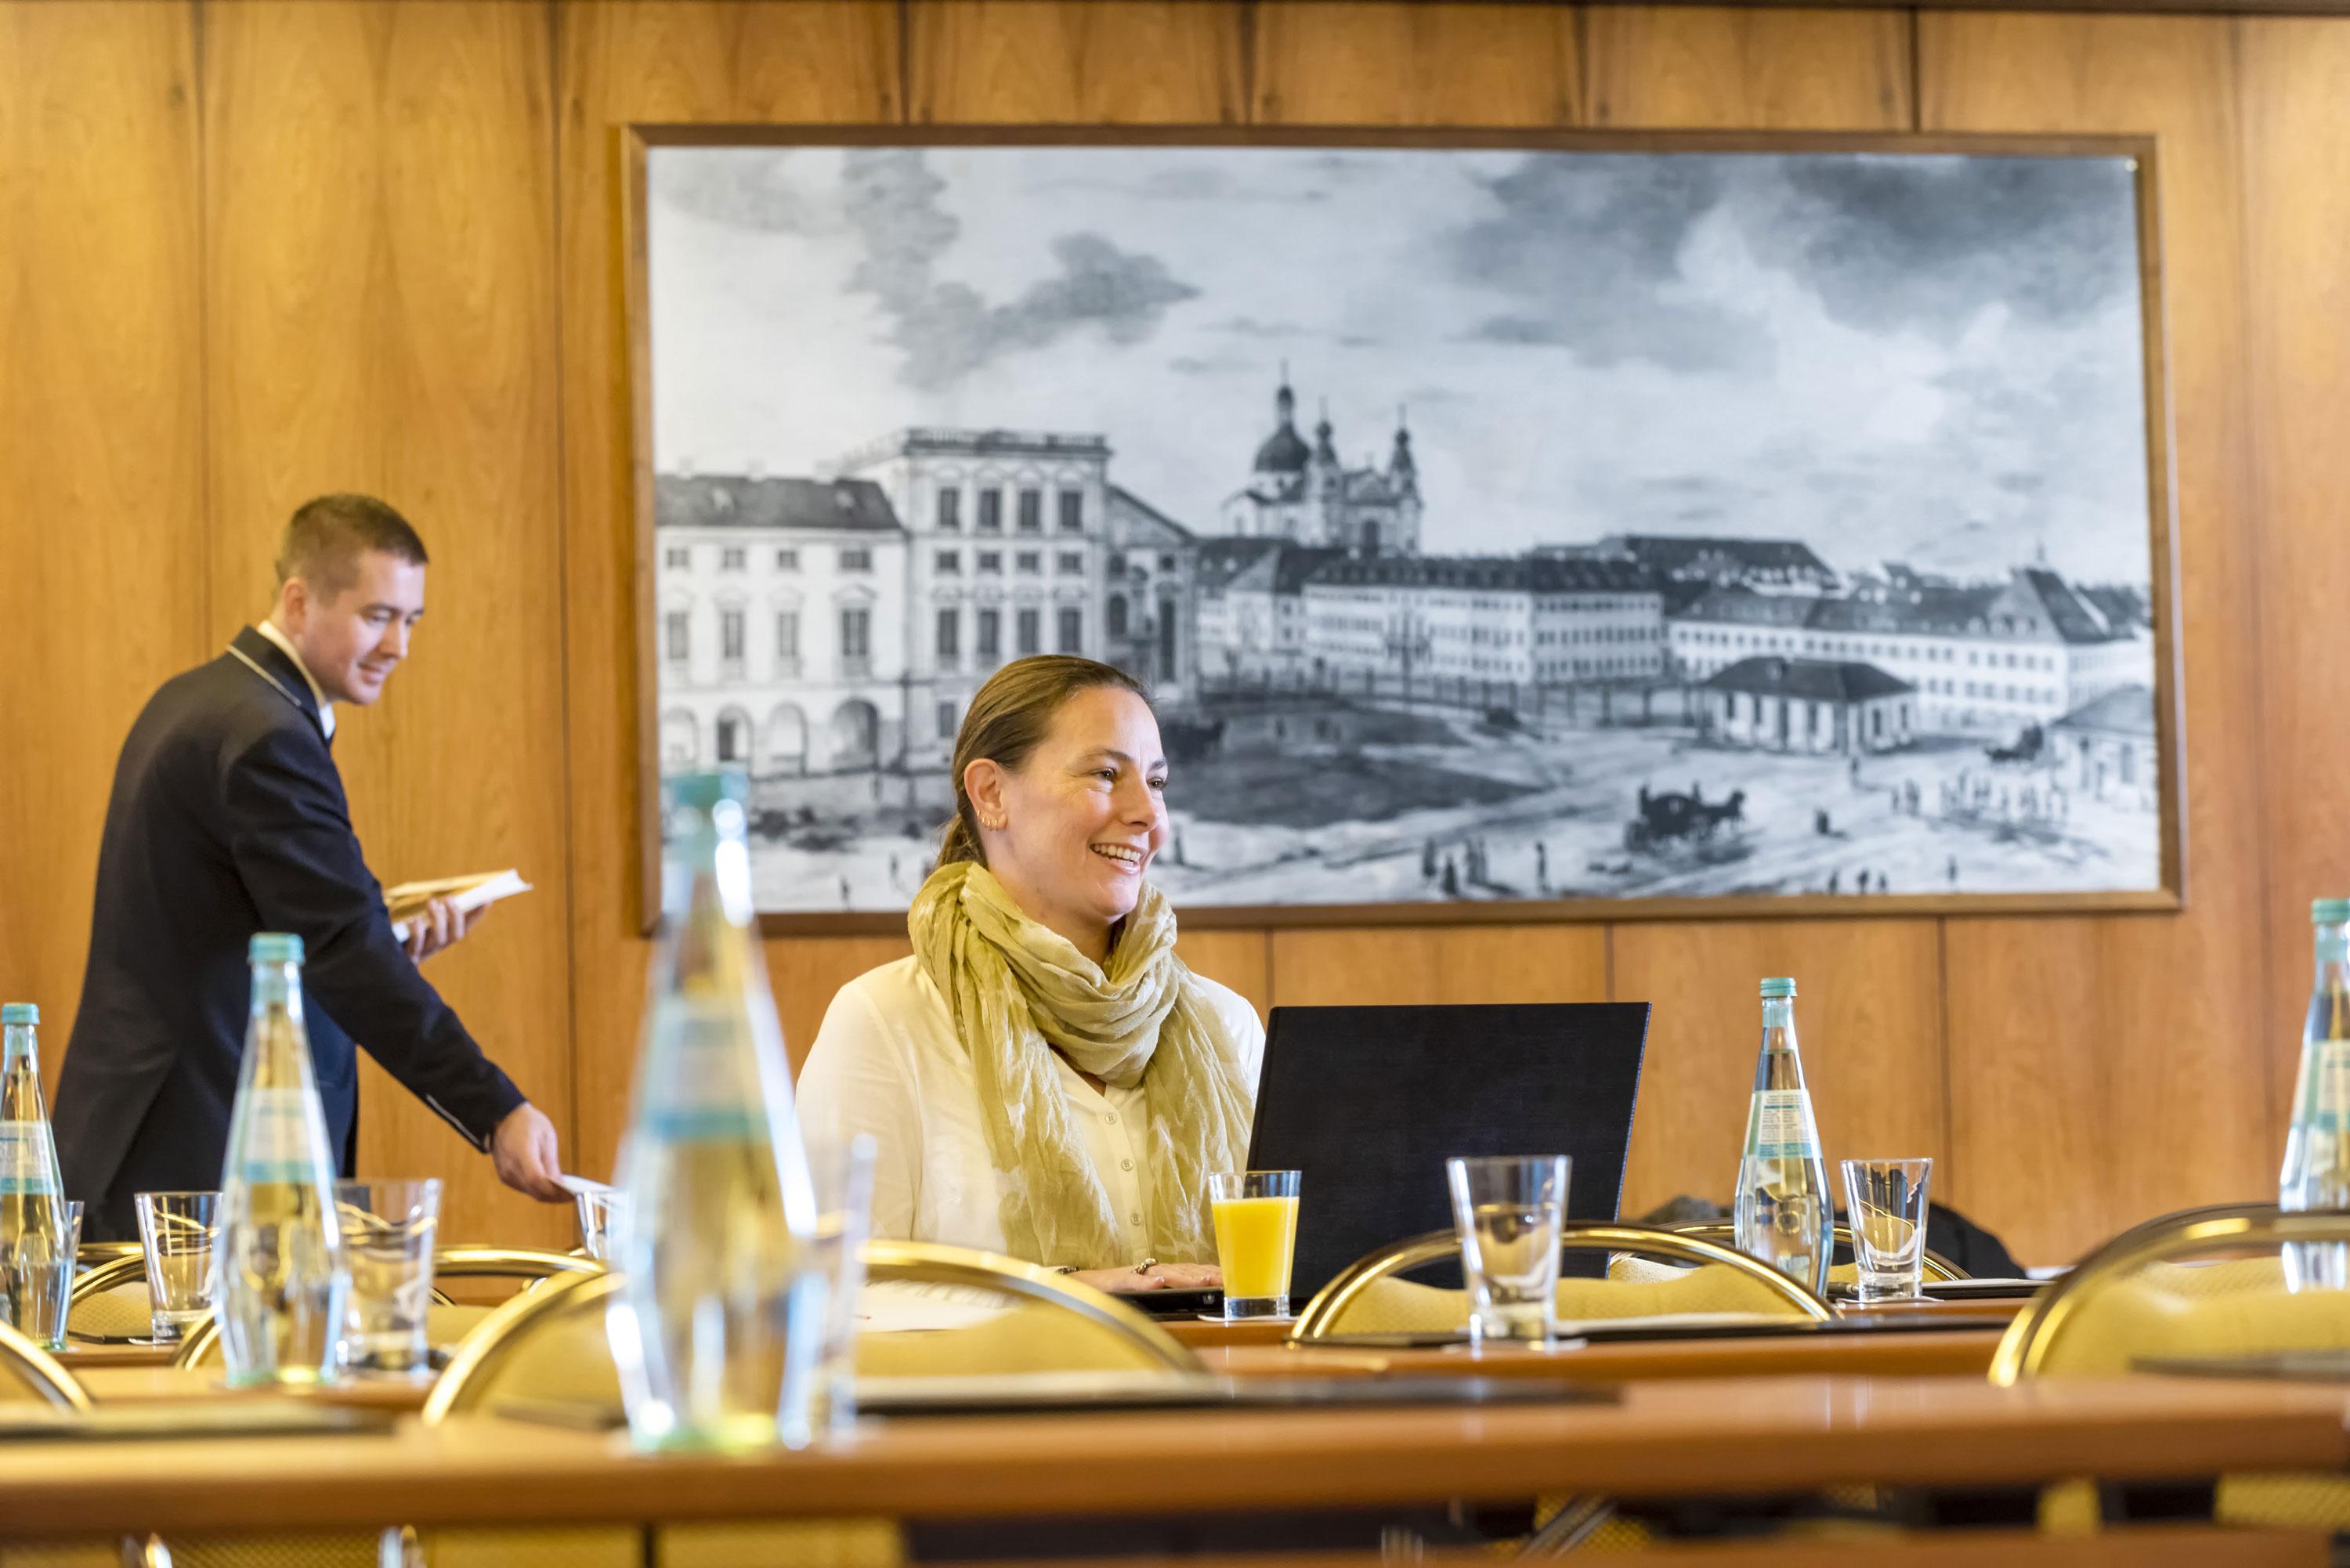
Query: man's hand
[
  {"x": 523, "y": 1151},
  {"x": 437, "y": 925}
]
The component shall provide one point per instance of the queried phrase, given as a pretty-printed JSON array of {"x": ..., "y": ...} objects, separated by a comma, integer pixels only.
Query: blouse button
[
  {"x": 1137, "y": 1218},
  {"x": 1126, "y": 1165},
  {"x": 1110, "y": 1116}
]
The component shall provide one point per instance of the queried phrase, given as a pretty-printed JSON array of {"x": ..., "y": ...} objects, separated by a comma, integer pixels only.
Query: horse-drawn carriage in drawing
[{"x": 1669, "y": 819}]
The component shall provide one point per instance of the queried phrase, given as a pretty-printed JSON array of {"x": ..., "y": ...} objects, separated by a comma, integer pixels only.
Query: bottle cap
[
  {"x": 2329, "y": 911},
  {"x": 1781, "y": 987},
  {"x": 702, "y": 791},
  {"x": 274, "y": 947},
  {"x": 19, "y": 1013}
]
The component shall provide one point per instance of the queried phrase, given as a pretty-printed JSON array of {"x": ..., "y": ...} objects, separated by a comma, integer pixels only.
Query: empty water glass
[
  {"x": 837, "y": 1257},
  {"x": 178, "y": 1230},
  {"x": 1885, "y": 1201},
  {"x": 1508, "y": 1211},
  {"x": 42, "y": 1287},
  {"x": 389, "y": 1229}
]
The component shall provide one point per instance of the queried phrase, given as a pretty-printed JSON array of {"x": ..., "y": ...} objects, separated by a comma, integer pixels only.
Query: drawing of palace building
[
  {"x": 1988, "y": 657},
  {"x": 1307, "y": 496},
  {"x": 1006, "y": 532},
  {"x": 1529, "y": 620},
  {"x": 778, "y": 623}
]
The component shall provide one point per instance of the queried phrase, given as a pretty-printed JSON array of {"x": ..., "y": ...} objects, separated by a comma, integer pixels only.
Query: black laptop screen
[{"x": 1368, "y": 1102}]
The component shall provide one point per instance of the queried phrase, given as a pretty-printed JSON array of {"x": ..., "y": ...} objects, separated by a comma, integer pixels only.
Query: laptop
[{"x": 1369, "y": 1102}]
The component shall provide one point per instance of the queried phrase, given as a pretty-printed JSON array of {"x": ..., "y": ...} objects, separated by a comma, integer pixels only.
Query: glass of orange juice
[{"x": 1255, "y": 1214}]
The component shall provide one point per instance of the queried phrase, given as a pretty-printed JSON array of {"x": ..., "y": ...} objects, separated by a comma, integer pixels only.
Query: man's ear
[{"x": 292, "y": 602}]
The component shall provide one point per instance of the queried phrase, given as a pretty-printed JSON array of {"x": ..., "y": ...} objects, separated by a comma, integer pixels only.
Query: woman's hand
[{"x": 1157, "y": 1277}]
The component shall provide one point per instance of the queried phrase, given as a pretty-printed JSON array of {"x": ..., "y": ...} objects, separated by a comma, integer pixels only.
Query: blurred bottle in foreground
[
  {"x": 2316, "y": 1172},
  {"x": 36, "y": 1249},
  {"x": 720, "y": 1326},
  {"x": 282, "y": 1278},
  {"x": 1784, "y": 1215}
]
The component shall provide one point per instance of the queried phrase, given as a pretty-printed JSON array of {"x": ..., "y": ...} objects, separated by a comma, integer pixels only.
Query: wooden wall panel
[
  {"x": 380, "y": 316},
  {"x": 2105, "y": 1069},
  {"x": 101, "y": 432},
  {"x": 1392, "y": 62},
  {"x": 659, "y": 61},
  {"x": 1736, "y": 68},
  {"x": 2297, "y": 237},
  {"x": 1866, "y": 1014},
  {"x": 1095, "y": 62},
  {"x": 1868, "y": 987},
  {"x": 1402, "y": 965}
]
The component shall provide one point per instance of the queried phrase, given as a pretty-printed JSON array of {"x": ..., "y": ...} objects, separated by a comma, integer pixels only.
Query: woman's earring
[{"x": 995, "y": 824}]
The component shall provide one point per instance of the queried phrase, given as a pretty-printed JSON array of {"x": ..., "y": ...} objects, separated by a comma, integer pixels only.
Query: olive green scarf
[{"x": 1015, "y": 989}]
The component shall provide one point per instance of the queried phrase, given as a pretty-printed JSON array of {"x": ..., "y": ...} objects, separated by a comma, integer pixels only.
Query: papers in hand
[{"x": 484, "y": 887}]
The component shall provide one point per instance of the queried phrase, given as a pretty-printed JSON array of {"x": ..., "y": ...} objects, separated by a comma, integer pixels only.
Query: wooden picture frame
[{"x": 635, "y": 144}]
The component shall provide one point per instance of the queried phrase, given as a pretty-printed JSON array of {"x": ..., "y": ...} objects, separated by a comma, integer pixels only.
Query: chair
[
  {"x": 1365, "y": 1297},
  {"x": 1935, "y": 1265},
  {"x": 2132, "y": 1298},
  {"x": 28, "y": 1372},
  {"x": 447, "y": 1322},
  {"x": 548, "y": 1348},
  {"x": 109, "y": 1303}
]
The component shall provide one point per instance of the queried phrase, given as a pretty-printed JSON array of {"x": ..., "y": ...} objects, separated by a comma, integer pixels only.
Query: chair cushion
[{"x": 117, "y": 1314}]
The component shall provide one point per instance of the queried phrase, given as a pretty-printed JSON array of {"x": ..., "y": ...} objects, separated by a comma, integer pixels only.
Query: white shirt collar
[{"x": 268, "y": 629}]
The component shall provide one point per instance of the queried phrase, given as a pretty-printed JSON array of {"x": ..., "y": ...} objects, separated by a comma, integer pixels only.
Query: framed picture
[{"x": 1509, "y": 525}]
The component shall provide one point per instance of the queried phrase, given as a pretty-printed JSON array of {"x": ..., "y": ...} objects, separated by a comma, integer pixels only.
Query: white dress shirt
[
  {"x": 268, "y": 629},
  {"x": 888, "y": 1062}
]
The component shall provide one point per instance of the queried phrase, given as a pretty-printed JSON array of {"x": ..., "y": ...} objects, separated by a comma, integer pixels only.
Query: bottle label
[
  {"x": 2328, "y": 1066},
  {"x": 274, "y": 1127},
  {"x": 27, "y": 1164},
  {"x": 707, "y": 1091},
  {"x": 1779, "y": 1126}
]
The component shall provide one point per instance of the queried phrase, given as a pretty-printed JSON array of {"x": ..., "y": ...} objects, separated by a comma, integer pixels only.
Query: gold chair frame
[
  {"x": 1935, "y": 1265},
  {"x": 1577, "y": 1235},
  {"x": 2024, "y": 1350},
  {"x": 463, "y": 1261},
  {"x": 43, "y": 1371},
  {"x": 907, "y": 1262}
]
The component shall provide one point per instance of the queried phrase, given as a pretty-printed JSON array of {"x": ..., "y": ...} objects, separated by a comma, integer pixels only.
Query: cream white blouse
[{"x": 886, "y": 1062}]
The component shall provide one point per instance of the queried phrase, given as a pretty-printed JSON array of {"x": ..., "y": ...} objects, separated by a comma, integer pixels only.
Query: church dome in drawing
[{"x": 1284, "y": 451}]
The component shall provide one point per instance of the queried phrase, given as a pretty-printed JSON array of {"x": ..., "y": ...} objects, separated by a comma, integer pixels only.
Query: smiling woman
[{"x": 1044, "y": 1077}]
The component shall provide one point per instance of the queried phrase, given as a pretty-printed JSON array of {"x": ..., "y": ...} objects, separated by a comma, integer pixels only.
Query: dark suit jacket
[{"x": 228, "y": 819}]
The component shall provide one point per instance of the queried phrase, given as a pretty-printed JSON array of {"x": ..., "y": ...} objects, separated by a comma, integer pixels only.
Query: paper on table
[{"x": 463, "y": 893}]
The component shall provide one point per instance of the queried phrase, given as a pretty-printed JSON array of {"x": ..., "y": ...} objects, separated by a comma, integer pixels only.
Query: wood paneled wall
[{"x": 253, "y": 249}]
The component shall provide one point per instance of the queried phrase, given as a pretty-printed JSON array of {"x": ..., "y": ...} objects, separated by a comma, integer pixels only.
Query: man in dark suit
[{"x": 228, "y": 819}]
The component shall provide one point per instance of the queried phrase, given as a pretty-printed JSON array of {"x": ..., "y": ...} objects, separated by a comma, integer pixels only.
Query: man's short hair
[{"x": 326, "y": 537}]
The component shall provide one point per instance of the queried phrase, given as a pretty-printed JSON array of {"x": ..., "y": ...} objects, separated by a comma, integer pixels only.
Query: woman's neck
[{"x": 1092, "y": 938}]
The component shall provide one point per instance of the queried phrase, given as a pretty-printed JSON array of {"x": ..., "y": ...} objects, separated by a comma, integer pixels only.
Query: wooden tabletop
[
  {"x": 78, "y": 1355},
  {"x": 1667, "y": 1437},
  {"x": 124, "y": 1385}
]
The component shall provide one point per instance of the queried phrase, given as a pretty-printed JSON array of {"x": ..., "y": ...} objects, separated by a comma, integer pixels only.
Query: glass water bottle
[{"x": 1785, "y": 1214}]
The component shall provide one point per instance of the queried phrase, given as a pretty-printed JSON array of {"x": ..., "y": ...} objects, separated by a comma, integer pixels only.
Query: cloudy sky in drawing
[{"x": 1935, "y": 359}]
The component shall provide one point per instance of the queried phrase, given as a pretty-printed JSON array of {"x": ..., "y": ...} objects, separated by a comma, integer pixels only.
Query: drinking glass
[
  {"x": 43, "y": 1286},
  {"x": 389, "y": 1229},
  {"x": 838, "y": 1258},
  {"x": 1256, "y": 1216},
  {"x": 179, "y": 1230},
  {"x": 1886, "y": 1203},
  {"x": 1507, "y": 1210}
]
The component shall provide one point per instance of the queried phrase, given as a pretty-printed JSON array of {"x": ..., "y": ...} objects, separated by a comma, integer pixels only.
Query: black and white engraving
[{"x": 1490, "y": 524}]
